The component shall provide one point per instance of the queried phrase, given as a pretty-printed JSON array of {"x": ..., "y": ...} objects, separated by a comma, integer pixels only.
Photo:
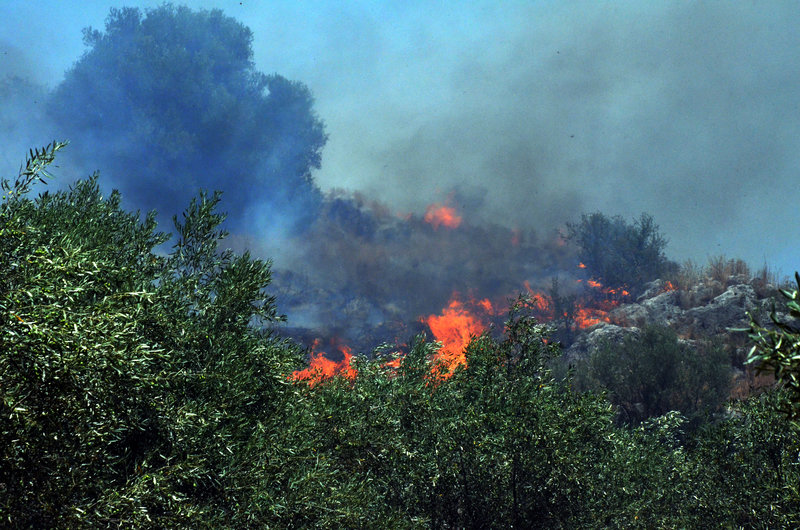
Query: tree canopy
[
  {"x": 169, "y": 102},
  {"x": 619, "y": 253}
]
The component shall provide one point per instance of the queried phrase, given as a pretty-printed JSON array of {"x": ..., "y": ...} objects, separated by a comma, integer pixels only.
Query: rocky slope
[{"x": 707, "y": 311}]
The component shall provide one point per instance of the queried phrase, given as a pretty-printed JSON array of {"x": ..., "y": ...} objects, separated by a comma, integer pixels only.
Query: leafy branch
[
  {"x": 778, "y": 350},
  {"x": 36, "y": 164}
]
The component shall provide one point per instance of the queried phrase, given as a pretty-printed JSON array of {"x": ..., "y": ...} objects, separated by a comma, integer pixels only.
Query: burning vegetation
[
  {"x": 457, "y": 324},
  {"x": 190, "y": 417},
  {"x": 321, "y": 365},
  {"x": 439, "y": 215},
  {"x": 365, "y": 275}
]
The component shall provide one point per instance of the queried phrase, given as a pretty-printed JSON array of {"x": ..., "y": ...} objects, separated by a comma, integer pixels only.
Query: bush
[
  {"x": 727, "y": 271},
  {"x": 651, "y": 374},
  {"x": 620, "y": 254},
  {"x": 776, "y": 350},
  {"x": 132, "y": 385},
  {"x": 499, "y": 444}
]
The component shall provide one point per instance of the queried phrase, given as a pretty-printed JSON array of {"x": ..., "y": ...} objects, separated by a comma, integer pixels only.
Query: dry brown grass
[
  {"x": 685, "y": 280},
  {"x": 725, "y": 270},
  {"x": 766, "y": 282},
  {"x": 686, "y": 276},
  {"x": 697, "y": 285}
]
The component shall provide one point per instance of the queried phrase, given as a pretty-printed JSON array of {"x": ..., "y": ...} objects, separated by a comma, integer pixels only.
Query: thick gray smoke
[
  {"x": 687, "y": 111},
  {"x": 531, "y": 112}
]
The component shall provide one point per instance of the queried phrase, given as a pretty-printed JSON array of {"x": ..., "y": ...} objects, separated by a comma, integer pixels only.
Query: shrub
[
  {"x": 618, "y": 253},
  {"x": 777, "y": 350},
  {"x": 132, "y": 386},
  {"x": 688, "y": 275},
  {"x": 654, "y": 373},
  {"x": 727, "y": 271}
]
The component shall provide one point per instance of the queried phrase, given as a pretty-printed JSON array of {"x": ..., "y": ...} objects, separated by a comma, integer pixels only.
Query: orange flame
[
  {"x": 439, "y": 214},
  {"x": 454, "y": 328},
  {"x": 394, "y": 364},
  {"x": 540, "y": 301},
  {"x": 486, "y": 305},
  {"x": 321, "y": 368},
  {"x": 587, "y": 317},
  {"x": 588, "y": 311},
  {"x": 619, "y": 291}
]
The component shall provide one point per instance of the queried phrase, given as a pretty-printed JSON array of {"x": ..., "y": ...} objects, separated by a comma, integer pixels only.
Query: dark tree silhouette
[
  {"x": 170, "y": 102},
  {"x": 618, "y": 253}
]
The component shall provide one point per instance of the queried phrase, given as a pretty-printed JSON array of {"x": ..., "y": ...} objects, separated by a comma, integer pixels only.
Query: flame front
[
  {"x": 321, "y": 368},
  {"x": 579, "y": 306}
]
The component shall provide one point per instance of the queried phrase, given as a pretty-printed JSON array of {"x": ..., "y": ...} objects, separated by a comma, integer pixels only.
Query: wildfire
[
  {"x": 321, "y": 368},
  {"x": 394, "y": 363},
  {"x": 439, "y": 214},
  {"x": 587, "y": 317},
  {"x": 458, "y": 322},
  {"x": 454, "y": 328},
  {"x": 540, "y": 301},
  {"x": 608, "y": 291},
  {"x": 587, "y": 310}
]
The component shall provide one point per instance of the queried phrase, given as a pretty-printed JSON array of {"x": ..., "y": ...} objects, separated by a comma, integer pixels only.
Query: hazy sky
[{"x": 534, "y": 111}]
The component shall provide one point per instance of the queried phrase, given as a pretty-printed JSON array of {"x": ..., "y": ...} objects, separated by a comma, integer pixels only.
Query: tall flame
[{"x": 454, "y": 328}]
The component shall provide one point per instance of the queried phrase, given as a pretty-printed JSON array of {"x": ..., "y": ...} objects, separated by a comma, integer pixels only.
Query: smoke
[
  {"x": 684, "y": 110},
  {"x": 544, "y": 111},
  {"x": 518, "y": 115}
]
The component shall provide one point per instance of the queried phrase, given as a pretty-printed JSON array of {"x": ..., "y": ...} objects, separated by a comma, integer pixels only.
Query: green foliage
[
  {"x": 502, "y": 444},
  {"x": 499, "y": 443},
  {"x": 777, "y": 350},
  {"x": 618, "y": 253},
  {"x": 654, "y": 373},
  {"x": 35, "y": 169},
  {"x": 137, "y": 393},
  {"x": 748, "y": 468},
  {"x": 130, "y": 383}
]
